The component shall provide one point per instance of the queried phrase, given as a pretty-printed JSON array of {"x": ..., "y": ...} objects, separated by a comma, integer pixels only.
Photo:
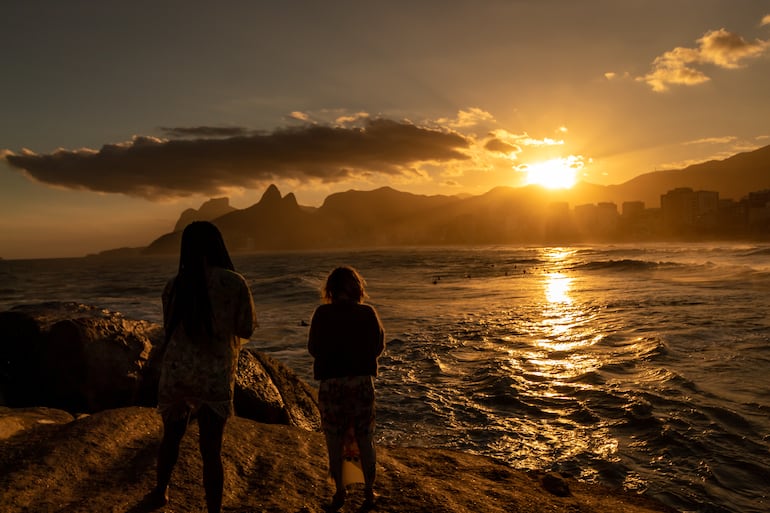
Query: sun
[{"x": 558, "y": 173}]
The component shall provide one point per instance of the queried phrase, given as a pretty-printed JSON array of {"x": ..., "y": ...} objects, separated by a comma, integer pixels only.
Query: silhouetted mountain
[
  {"x": 274, "y": 222},
  {"x": 380, "y": 217},
  {"x": 733, "y": 178},
  {"x": 387, "y": 217},
  {"x": 210, "y": 210}
]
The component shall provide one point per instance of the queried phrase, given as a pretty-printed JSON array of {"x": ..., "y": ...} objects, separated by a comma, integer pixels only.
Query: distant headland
[{"x": 716, "y": 200}]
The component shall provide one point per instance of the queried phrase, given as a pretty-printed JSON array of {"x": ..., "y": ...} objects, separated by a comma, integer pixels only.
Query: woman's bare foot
[
  {"x": 158, "y": 496},
  {"x": 369, "y": 498}
]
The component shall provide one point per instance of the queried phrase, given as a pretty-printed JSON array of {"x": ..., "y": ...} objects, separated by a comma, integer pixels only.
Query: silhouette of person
[
  {"x": 345, "y": 339},
  {"x": 208, "y": 313}
]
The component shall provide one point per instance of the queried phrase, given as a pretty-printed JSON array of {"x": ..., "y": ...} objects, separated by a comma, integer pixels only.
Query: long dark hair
[{"x": 189, "y": 303}]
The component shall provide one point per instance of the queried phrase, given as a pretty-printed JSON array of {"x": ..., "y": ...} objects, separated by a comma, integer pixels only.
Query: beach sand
[{"x": 105, "y": 462}]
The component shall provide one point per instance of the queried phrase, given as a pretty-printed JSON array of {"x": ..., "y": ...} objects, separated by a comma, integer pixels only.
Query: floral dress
[{"x": 198, "y": 371}]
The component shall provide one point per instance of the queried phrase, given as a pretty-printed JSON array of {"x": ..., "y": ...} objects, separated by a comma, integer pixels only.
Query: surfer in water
[
  {"x": 208, "y": 312},
  {"x": 346, "y": 338}
]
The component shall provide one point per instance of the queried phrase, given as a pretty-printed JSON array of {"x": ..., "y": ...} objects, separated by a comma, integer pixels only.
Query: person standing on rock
[
  {"x": 346, "y": 338},
  {"x": 208, "y": 313}
]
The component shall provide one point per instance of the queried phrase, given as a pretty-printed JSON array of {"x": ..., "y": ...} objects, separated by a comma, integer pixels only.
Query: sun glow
[{"x": 558, "y": 173}]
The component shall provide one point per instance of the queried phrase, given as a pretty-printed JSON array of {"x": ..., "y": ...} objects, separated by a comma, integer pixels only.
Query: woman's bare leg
[{"x": 211, "y": 427}]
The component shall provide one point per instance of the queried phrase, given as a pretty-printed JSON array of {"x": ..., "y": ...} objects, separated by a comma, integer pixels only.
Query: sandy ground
[{"x": 105, "y": 462}]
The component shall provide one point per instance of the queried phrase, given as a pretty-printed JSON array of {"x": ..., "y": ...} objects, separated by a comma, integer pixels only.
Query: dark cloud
[
  {"x": 156, "y": 168},
  {"x": 501, "y": 146},
  {"x": 205, "y": 131}
]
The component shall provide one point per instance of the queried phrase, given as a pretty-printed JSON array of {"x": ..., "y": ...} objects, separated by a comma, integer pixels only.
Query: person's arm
[
  {"x": 380, "y": 347},
  {"x": 166, "y": 302},
  {"x": 247, "y": 313},
  {"x": 313, "y": 335}
]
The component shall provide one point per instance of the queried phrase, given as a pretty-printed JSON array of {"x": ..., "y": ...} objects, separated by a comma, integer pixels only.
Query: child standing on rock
[{"x": 346, "y": 338}]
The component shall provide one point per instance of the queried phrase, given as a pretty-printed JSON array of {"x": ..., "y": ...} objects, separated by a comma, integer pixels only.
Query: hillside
[
  {"x": 504, "y": 215},
  {"x": 733, "y": 178}
]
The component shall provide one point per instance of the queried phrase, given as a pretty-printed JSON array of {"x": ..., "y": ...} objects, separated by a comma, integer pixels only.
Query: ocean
[{"x": 645, "y": 367}]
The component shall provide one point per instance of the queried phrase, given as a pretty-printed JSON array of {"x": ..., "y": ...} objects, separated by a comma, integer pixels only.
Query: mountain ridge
[{"x": 388, "y": 217}]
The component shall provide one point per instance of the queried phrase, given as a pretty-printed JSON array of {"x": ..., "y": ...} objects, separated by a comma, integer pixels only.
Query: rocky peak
[
  {"x": 208, "y": 211},
  {"x": 290, "y": 200},
  {"x": 271, "y": 196}
]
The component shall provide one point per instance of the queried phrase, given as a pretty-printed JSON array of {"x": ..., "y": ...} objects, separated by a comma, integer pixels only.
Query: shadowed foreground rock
[
  {"x": 85, "y": 359},
  {"x": 105, "y": 462}
]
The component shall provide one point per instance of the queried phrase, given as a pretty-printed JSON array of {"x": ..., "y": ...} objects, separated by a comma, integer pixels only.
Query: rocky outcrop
[
  {"x": 268, "y": 391},
  {"x": 106, "y": 462},
  {"x": 77, "y": 358},
  {"x": 20, "y": 420},
  {"x": 81, "y": 358}
]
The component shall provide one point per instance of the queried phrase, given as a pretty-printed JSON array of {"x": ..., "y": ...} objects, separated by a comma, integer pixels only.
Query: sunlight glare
[
  {"x": 558, "y": 173},
  {"x": 557, "y": 288}
]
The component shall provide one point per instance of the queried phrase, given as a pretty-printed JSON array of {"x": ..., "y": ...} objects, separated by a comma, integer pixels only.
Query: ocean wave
[
  {"x": 759, "y": 251},
  {"x": 625, "y": 264}
]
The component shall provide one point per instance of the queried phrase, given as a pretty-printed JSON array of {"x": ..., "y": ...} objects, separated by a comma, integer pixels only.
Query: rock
[
  {"x": 554, "y": 483},
  {"x": 298, "y": 401},
  {"x": 106, "y": 462},
  {"x": 80, "y": 358},
  {"x": 255, "y": 395},
  {"x": 17, "y": 420},
  {"x": 77, "y": 357}
]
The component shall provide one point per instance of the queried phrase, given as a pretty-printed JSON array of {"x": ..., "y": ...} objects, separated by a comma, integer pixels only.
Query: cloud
[
  {"x": 498, "y": 146},
  {"x": 765, "y": 20},
  {"x": 713, "y": 140},
  {"x": 717, "y": 47},
  {"x": 611, "y": 75},
  {"x": 524, "y": 139},
  {"x": 300, "y": 116},
  {"x": 204, "y": 131},
  {"x": 156, "y": 168},
  {"x": 468, "y": 118},
  {"x": 352, "y": 119}
]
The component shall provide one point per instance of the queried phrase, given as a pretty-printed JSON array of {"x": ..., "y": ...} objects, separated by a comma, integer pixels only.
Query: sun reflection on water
[
  {"x": 557, "y": 287},
  {"x": 559, "y": 361}
]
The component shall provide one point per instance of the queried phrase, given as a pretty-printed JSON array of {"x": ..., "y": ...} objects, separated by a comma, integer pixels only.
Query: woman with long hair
[
  {"x": 346, "y": 338},
  {"x": 208, "y": 313}
]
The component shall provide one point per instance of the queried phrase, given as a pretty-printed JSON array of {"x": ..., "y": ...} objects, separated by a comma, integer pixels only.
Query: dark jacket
[{"x": 345, "y": 339}]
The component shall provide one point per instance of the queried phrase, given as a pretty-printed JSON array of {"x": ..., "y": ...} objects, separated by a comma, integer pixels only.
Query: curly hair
[{"x": 344, "y": 284}]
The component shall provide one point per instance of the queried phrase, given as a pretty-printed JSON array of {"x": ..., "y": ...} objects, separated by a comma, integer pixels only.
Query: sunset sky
[{"x": 116, "y": 116}]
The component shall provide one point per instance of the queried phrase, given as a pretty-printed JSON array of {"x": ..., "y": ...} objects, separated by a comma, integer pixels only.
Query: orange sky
[{"x": 117, "y": 118}]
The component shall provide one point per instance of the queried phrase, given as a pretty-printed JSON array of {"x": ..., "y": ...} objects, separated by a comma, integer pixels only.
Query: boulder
[
  {"x": 77, "y": 358},
  {"x": 15, "y": 421},
  {"x": 269, "y": 391},
  {"x": 81, "y": 358}
]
